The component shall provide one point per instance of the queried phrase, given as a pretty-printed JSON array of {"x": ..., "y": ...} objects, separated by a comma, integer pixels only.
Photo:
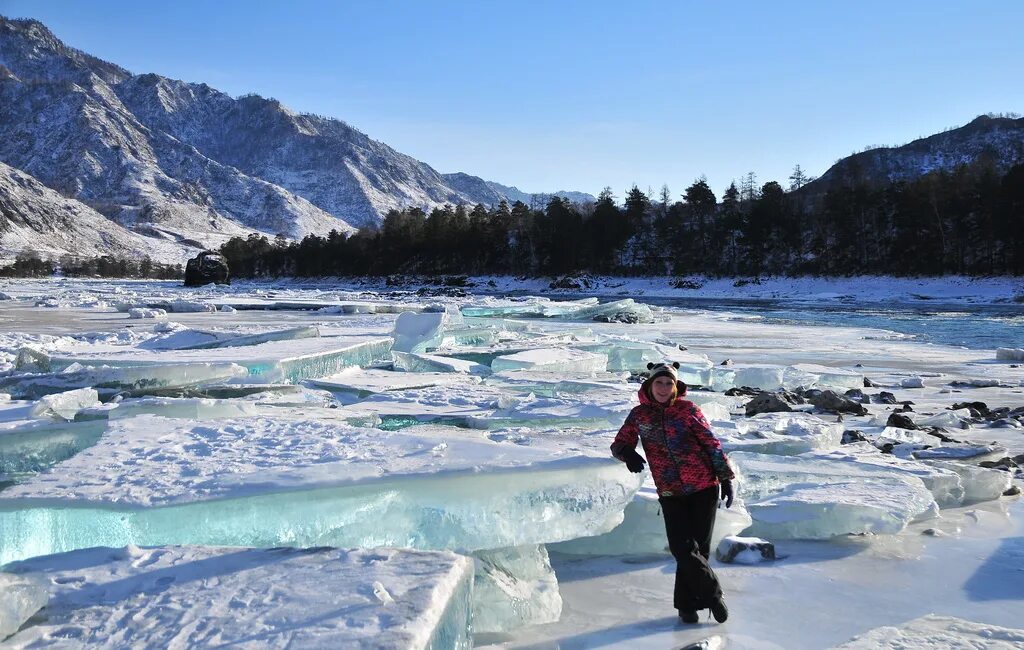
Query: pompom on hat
[{"x": 664, "y": 368}]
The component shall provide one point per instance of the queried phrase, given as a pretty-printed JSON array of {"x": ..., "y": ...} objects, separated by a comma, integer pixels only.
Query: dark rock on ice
[
  {"x": 207, "y": 267},
  {"x": 1006, "y": 423},
  {"x": 627, "y": 317},
  {"x": 828, "y": 400},
  {"x": 570, "y": 282},
  {"x": 900, "y": 421},
  {"x": 767, "y": 403},
  {"x": 1012, "y": 492},
  {"x": 851, "y": 436},
  {"x": 742, "y": 391},
  {"x": 977, "y": 409},
  {"x": 858, "y": 395},
  {"x": 884, "y": 397},
  {"x": 940, "y": 433},
  {"x": 745, "y": 550}
]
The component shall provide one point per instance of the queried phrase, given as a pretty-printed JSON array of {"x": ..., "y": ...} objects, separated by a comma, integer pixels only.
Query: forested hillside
[{"x": 965, "y": 221}]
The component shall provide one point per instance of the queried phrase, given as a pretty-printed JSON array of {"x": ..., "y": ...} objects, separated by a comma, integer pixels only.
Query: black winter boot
[
  {"x": 688, "y": 616},
  {"x": 719, "y": 610}
]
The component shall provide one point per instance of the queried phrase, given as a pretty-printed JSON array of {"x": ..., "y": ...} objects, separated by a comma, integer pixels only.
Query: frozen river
[{"x": 173, "y": 425}]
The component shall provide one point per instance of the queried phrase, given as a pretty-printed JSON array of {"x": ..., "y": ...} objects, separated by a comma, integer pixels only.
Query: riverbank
[{"x": 860, "y": 289}]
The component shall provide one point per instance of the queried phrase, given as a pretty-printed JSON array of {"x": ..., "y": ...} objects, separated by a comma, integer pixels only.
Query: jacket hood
[{"x": 648, "y": 400}]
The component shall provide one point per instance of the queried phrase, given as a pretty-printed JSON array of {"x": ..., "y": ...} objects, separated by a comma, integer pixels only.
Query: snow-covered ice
[
  {"x": 518, "y": 462},
  {"x": 267, "y": 482},
  {"x": 182, "y": 596}
]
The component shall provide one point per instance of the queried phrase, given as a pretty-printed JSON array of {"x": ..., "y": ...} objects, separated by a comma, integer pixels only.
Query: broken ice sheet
[
  {"x": 288, "y": 360},
  {"x": 111, "y": 380},
  {"x": 979, "y": 483},
  {"x": 514, "y": 587},
  {"x": 32, "y": 446},
  {"x": 552, "y": 383},
  {"x": 281, "y": 597},
  {"x": 420, "y": 332},
  {"x": 267, "y": 482},
  {"x": 565, "y": 360},
  {"x": 944, "y": 484},
  {"x": 410, "y": 362},
  {"x": 362, "y": 382},
  {"x": 785, "y": 434},
  {"x": 807, "y": 497},
  {"x": 21, "y": 596},
  {"x": 841, "y": 507}
]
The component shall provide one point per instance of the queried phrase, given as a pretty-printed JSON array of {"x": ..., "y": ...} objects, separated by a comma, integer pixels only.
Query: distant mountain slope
[
  {"x": 34, "y": 217},
  {"x": 998, "y": 139},
  {"x": 185, "y": 161},
  {"x": 515, "y": 194}
]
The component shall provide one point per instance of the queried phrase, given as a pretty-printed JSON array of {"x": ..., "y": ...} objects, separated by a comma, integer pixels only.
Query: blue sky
[{"x": 574, "y": 94}]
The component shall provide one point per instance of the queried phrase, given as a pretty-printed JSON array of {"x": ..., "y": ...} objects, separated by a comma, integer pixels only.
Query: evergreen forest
[{"x": 969, "y": 221}]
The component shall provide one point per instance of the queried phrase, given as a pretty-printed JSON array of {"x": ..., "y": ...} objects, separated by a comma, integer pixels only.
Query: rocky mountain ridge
[
  {"x": 183, "y": 162},
  {"x": 997, "y": 140}
]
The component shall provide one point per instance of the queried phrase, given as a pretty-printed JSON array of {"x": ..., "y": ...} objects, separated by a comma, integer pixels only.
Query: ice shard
[
  {"x": 32, "y": 446},
  {"x": 552, "y": 383},
  {"x": 979, "y": 483},
  {"x": 564, "y": 360},
  {"x": 945, "y": 485},
  {"x": 65, "y": 405},
  {"x": 424, "y": 331},
  {"x": 633, "y": 356},
  {"x": 289, "y": 360},
  {"x": 21, "y": 596},
  {"x": 409, "y": 362},
  {"x": 239, "y": 597},
  {"x": 513, "y": 588},
  {"x": 365, "y": 382},
  {"x": 785, "y": 434},
  {"x": 826, "y": 510},
  {"x": 290, "y": 334},
  {"x": 108, "y": 380},
  {"x": 806, "y": 497},
  {"x": 266, "y": 482},
  {"x": 808, "y": 375}
]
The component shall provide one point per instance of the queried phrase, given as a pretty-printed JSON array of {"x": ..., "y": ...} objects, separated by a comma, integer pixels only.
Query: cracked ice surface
[
  {"x": 247, "y": 598},
  {"x": 266, "y": 482}
]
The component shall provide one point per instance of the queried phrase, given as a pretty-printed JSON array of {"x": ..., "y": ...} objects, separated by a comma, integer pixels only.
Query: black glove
[
  {"x": 727, "y": 493},
  {"x": 634, "y": 461}
]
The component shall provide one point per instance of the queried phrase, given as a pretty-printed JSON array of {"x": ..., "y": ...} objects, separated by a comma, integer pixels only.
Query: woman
[{"x": 689, "y": 467}]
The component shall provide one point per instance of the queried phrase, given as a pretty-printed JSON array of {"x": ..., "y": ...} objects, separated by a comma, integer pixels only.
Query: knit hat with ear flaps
[{"x": 664, "y": 368}]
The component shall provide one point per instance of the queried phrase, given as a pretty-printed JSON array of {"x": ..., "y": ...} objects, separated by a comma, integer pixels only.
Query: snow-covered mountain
[
  {"x": 185, "y": 162},
  {"x": 997, "y": 139},
  {"x": 34, "y": 217},
  {"x": 512, "y": 193},
  {"x": 479, "y": 187}
]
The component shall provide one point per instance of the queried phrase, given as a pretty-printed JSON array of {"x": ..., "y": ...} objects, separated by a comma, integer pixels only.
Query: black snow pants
[{"x": 689, "y": 520}]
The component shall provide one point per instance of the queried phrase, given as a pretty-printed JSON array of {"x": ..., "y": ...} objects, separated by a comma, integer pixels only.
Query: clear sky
[{"x": 580, "y": 94}]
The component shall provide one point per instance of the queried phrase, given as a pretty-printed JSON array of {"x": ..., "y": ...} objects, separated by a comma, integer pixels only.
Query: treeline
[
  {"x": 968, "y": 221},
  {"x": 29, "y": 264}
]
